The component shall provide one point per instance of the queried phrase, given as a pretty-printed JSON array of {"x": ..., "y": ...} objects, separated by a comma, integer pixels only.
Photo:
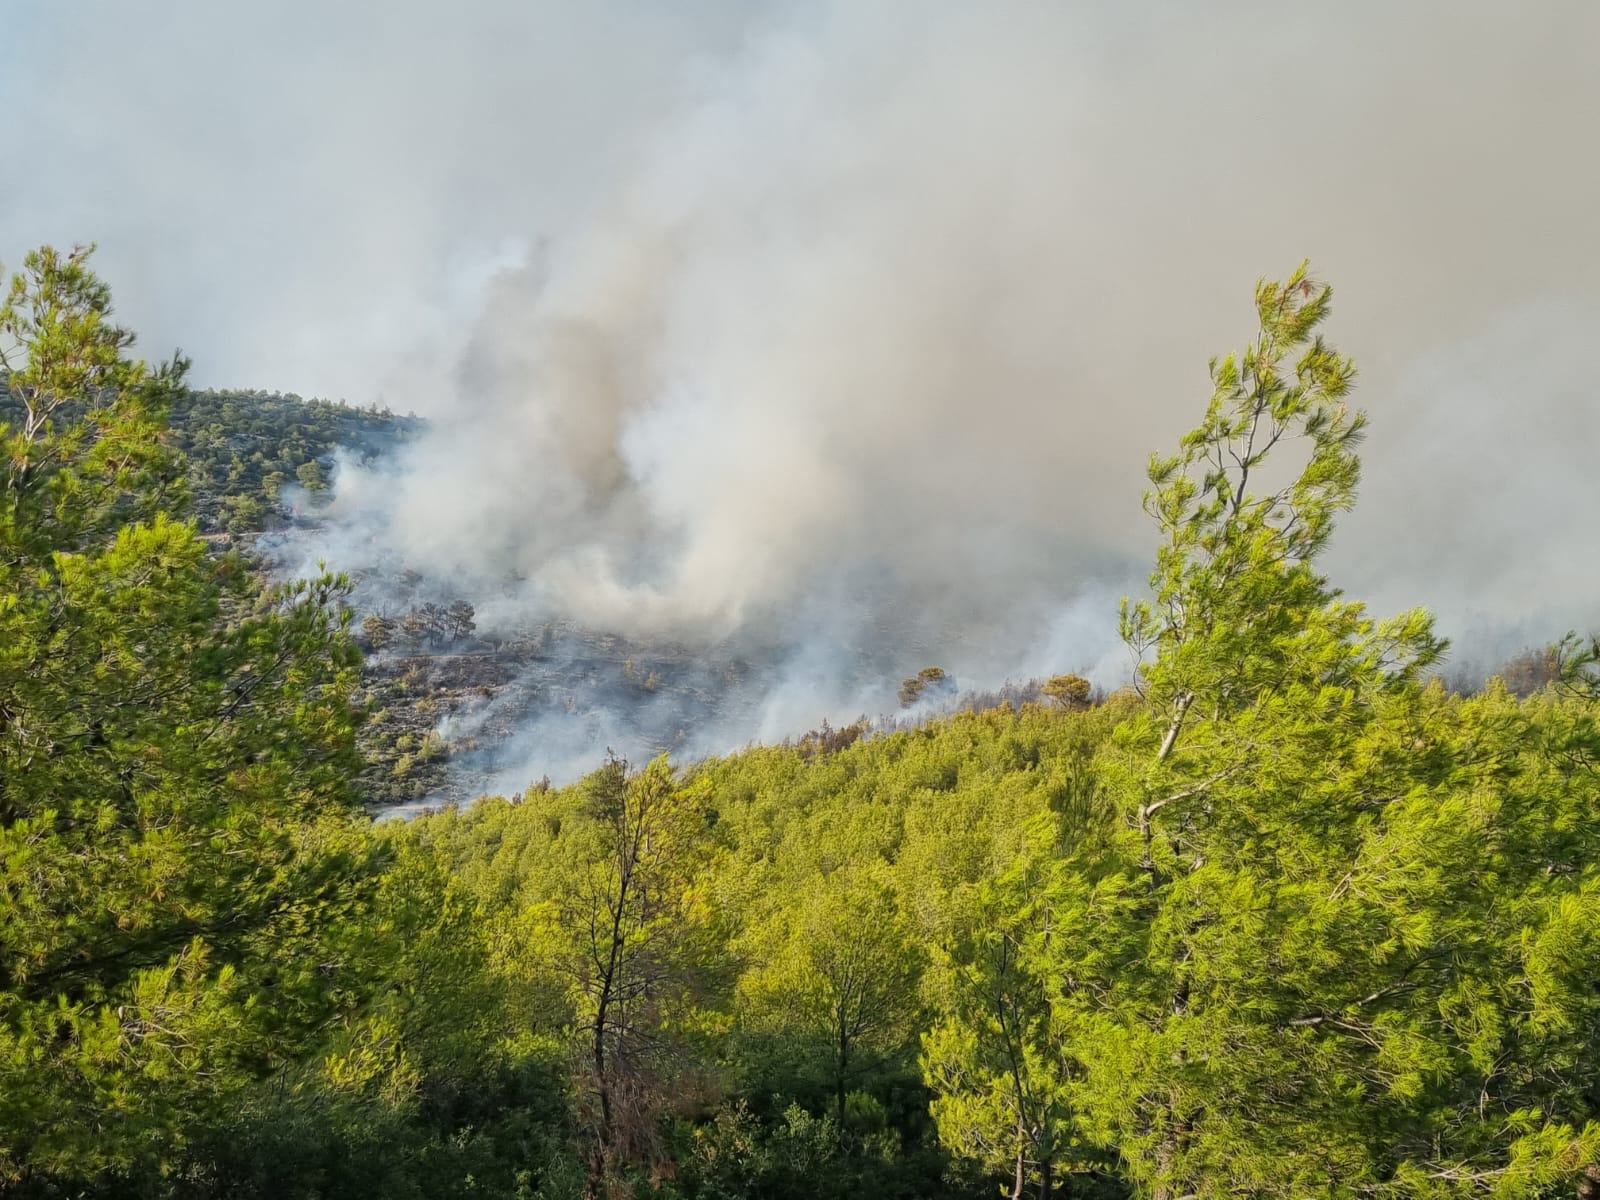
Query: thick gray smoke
[{"x": 835, "y": 335}]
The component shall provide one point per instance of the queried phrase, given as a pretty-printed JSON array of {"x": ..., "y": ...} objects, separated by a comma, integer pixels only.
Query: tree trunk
[
  {"x": 1180, "y": 710},
  {"x": 1173, "y": 1142},
  {"x": 1022, "y": 1160},
  {"x": 844, "y": 1062},
  {"x": 594, "y": 1185}
]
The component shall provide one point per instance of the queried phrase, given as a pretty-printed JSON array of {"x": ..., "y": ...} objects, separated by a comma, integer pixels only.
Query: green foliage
[
  {"x": 785, "y": 888},
  {"x": 176, "y": 750},
  {"x": 1577, "y": 664},
  {"x": 1239, "y": 609},
  {"x": 81, "y": 420},
  {"x": 1304, "y": 957},
  {"x": 835, "y": 974},
  {"x": 993, "y": 1057},
  {"x": 1069, "y": 691},
  {"x": 431, "y": 1090},
  {"x": 593, "y": 895},
  {"x": 311, "y": 477},
  {"x": 801, "y": 1156},
  {"x": 1283, "y": 919},
  {"x": 242, "y": 448}
]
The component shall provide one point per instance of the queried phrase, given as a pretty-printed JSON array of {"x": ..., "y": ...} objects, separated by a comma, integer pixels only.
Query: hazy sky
[{"x": 852, "y": 317}]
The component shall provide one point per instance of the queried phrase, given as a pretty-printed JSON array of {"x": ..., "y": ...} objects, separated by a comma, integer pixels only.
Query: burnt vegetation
[{"x": 447, "y": 700}]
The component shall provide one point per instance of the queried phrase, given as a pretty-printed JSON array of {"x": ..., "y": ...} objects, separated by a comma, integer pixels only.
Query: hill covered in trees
[
  {"x": 245, "y": 447},
  {"x": 1288, "y": 918}
]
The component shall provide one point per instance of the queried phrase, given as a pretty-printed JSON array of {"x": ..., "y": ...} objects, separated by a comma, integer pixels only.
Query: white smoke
[{"x": 835, "y": 335}]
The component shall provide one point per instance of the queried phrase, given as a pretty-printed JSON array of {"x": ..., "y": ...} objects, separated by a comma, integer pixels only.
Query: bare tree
[{"x": 633, "y": 954}]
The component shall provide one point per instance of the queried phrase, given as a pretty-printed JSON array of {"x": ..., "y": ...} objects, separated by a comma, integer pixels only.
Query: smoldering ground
[{"x": 832, "y": 337}]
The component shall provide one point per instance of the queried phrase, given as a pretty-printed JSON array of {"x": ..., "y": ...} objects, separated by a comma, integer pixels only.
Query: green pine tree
[
  {"x": 1302, "y": 965},
  {"x": 176, "y": 750}
]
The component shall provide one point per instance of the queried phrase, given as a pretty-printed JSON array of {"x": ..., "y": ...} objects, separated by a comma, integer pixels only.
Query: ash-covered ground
[
  {"x": 496, "y": 715},
  {"x": 469, "y": 697}
]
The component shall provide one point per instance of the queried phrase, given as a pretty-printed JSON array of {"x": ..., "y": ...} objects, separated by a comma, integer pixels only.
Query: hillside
[
  {"x": 245, "y": 448},
  {"x": 452, "y": 705},
  {"x": 1288, "y": 918}
]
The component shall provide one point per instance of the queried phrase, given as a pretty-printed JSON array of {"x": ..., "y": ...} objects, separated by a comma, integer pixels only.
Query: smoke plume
[{"x": 834, "y": 336}]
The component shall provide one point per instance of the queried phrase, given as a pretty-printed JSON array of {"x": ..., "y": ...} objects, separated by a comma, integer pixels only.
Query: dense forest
[{"x": 1286, "y": 918}]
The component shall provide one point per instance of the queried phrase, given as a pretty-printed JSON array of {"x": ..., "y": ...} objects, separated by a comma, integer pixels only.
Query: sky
[{"x": 829, "y": 325}]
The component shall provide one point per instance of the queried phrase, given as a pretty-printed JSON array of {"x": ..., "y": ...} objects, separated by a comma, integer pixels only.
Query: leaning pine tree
[{"x": 1341, "y": 943}]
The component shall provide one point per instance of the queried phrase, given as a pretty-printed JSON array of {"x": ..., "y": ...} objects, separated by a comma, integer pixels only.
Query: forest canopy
[{"x": 1286, "y": 917}]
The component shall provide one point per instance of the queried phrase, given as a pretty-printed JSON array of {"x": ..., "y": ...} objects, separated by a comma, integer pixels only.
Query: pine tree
[
  {"x": 612, "y": 913},
  {"x": 835, "y": 973},
  {"x": 176, "y": 747},
  {"x": 1305, "y": 954},
  {"x": 993, "y": 1058}
]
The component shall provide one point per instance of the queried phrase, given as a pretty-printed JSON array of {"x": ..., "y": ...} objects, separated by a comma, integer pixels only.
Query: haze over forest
[
  {"x": 863, "y": 608},
  {"x": 832, "y": 336}
]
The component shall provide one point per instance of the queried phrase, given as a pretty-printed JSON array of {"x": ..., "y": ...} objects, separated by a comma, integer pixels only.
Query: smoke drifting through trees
[{"x": 846, "y": 328}]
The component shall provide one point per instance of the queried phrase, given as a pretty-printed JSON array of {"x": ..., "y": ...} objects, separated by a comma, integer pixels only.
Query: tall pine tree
[
  {"x": 176, "y": 751},
  {"x": 1308, "y": 964}
]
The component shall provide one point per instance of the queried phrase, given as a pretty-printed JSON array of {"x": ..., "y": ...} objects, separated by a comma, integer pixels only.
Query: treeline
[
  {"x": 425, "y": 625},
  {"x": 1288, "y": 919},
  {"x": 252, "y": 456},
  {"x": 249, "y": 452}
]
